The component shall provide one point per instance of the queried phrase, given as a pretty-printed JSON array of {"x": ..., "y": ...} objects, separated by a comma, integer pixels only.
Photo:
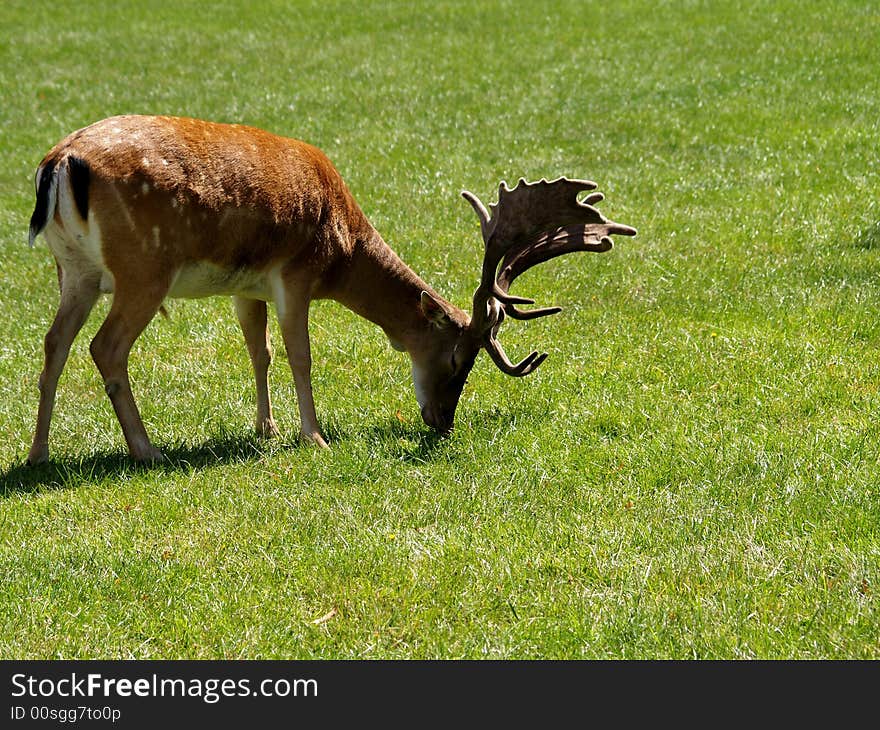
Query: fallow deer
[{"x": 149, "y": 207}]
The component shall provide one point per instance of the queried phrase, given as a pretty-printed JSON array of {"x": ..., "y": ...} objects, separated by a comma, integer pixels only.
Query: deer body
[{"x": 156, "y": 207}]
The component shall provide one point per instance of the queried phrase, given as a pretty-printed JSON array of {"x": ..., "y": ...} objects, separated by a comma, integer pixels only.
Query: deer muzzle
[{"x": 438, "y": 418}]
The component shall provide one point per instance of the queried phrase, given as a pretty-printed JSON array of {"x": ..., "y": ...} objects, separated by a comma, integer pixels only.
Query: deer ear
[{"x": 435, "y": 311}]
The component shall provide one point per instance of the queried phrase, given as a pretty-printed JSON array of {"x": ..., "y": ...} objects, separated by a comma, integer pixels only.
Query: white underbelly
[{"x": 205, "y": 280}]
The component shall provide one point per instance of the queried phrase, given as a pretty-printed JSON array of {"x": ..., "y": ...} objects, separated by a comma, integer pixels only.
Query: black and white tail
[
  {"x": 46, "y": 183},
  {"x": 47, "y": 178}
]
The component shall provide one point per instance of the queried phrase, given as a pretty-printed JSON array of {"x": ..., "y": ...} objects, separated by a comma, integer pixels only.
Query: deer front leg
[
  {"x": 134, "y": 305},
  {"x": 292, "y": 303},
  {"x": 78, "y": 295},
  {"x": 252, "y": 318}
]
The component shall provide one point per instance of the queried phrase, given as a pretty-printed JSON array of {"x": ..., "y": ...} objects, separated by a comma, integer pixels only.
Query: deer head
[{"x": 530, "y": 224}]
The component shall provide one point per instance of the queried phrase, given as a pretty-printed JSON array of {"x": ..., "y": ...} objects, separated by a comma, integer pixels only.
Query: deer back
[{"x": 190, "y": 193}]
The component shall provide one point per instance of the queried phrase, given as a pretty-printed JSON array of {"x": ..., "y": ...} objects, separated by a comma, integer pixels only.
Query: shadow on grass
[
  {"x": 402, "y": 440},
  {"x": 69, "y": 472},
  {"x": 419, "y": 444},
  {"x": 72, "y": 471},
  {"x": 397, "y": 439},
  {"x": 408, "y": 443}
]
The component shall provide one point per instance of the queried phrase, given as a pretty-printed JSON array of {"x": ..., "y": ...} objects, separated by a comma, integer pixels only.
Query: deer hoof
[
  {"x": 314, "y": 439},
  {"x": 39, "y": 454},
  {"x": 150, "y": 456},
  {"x": 267, "y": 428}
]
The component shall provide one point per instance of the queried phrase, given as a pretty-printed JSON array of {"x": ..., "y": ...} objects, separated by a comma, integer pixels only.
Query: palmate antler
[{"x": 531, "y": 223}]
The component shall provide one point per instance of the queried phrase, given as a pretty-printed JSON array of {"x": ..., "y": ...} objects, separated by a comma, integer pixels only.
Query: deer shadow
[
  {"x": 419, "y": 445},
  {"x": 72, "y": 471},
  {"x": 413, "y": 444},
  {"x": 402, "y": 440},
  {"x": 69, "y": 472}
]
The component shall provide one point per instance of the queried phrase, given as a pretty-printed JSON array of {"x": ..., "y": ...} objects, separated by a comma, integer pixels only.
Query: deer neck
[{"x": 380, "y": 287}]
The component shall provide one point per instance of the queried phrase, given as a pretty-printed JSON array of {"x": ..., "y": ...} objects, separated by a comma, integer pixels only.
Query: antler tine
[
  {"x": 480, "y": 210},
  {"x": 520, "y": 369},
  {"x": 494, "y": 250},
  {"x": 567, "y": 239},
  {"x": 531, "y": 223}
]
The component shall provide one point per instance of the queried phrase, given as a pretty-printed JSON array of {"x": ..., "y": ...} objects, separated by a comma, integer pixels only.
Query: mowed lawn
[{"x": 693, "y": 473}]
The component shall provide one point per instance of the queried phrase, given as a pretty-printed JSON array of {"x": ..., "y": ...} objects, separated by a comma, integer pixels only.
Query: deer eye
[{"x": 452, "y": 362}]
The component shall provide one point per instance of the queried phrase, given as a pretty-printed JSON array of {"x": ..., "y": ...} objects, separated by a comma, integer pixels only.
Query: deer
[{"x": 153, "y": 207}]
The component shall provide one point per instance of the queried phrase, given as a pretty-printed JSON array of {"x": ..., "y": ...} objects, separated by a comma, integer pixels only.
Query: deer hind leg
[
  {"x": 134, "y": 305},
  {"x": 79, "y": 292},
  {"x": 252, "y": 318},
  {"x": 292, "y": 303}
]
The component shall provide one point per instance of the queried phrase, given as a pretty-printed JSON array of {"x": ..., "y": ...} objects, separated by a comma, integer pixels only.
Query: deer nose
[{"x": 438, "y": 418}]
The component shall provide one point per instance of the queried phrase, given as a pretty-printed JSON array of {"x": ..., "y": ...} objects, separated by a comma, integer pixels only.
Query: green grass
[{"x": 693, "y": 473}]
